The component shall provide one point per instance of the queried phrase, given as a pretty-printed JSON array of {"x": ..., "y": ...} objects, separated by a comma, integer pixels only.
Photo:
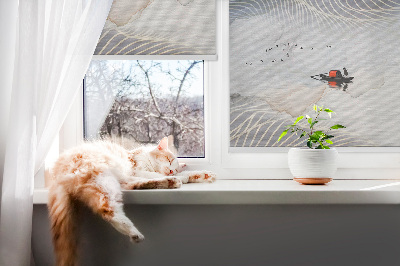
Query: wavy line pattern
[
  {"x": 333, "y": 13},
  {"x": 276, "y": 46},
  {"x": 159, "y": 27},
  {"x": 255, "y": 125}
]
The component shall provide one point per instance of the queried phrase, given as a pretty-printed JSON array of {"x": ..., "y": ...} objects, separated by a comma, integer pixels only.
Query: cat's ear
[
  {"x": 163, "y": 145},
  {"x": 171, "y": 146}
]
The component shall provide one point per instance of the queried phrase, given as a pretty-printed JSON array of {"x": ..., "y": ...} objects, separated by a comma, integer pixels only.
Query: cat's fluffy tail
[{"x": 62, "y": 212}]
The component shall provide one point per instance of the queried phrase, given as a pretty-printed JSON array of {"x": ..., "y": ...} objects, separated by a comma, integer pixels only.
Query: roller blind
[
  {"x": 160, "y": 27},
  {"x": 287, "y": 55}
]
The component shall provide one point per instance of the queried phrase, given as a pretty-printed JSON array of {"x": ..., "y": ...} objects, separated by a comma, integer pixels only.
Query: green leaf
[
  {"x": 313, "y": 123},
  {"x": 319, "y": 147},
  {"x": 283, "y": 134},
  {"x": 309, "y": 144},
  {"x": 315, "y": 107},
  {"x": 322, "y": 146},
  {"x": 337, "y": 126},
  {"x": 329, "y": 111},
  {"x": 316, "y": 136},
  {"x": 298, "y": 119},
  {"x": 309, "y": 120},
  {"x": 302, "y": 134},
  {"x": 327, "y": 137},
  {"x": 329, "y": 141}
]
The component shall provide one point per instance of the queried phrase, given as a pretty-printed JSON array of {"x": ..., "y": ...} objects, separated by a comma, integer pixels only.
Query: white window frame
[{"x": 234, "y": 163}]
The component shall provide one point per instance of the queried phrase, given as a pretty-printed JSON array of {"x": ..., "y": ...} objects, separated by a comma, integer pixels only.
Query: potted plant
[{"x": 315, "y": 164}]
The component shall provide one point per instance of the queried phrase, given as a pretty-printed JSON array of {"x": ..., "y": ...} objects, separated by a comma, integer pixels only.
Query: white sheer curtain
[{"x": 54, "y": 44}]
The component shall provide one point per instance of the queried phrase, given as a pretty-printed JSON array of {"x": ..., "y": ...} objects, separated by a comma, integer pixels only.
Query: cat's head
[{"x": 165, "y": 162}]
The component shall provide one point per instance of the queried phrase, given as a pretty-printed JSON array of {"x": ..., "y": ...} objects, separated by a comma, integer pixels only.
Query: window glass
[{"x": 142, "y": 101}]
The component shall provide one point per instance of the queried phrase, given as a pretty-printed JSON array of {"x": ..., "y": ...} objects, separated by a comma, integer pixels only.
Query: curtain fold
[
  {"x": 8, "y": 18},
  {"x": 55, "y": 41}
]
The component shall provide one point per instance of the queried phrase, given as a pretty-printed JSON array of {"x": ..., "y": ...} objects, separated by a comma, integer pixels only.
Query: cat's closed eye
[{"x": 166, "y": 158}]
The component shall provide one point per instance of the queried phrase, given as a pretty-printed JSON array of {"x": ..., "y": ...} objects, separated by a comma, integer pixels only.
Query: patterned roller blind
[
  {"x": 287, "y": 55},
  {"x": 159, "y": 27}
]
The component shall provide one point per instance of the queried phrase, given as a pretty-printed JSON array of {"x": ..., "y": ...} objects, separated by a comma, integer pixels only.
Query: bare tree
[{"x": 143, "y": 111}]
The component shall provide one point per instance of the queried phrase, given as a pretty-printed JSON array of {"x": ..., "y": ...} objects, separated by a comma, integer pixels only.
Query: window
[
  {"x": 228, "y": 162},
  {"x": 142, "y": 101}
]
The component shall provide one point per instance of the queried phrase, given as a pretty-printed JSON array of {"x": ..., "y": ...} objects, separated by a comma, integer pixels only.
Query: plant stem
[{"x": 315, "y": 119}]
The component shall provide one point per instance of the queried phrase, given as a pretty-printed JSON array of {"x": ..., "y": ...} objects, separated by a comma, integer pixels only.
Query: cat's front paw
[
  {"x": 174, "y": 182},
  {"x": 182, "y": 167},
  {"x": 137, "y": 237}
]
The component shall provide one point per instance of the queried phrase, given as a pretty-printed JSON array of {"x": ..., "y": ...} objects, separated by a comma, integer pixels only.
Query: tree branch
[
  {"x": 146, "y": 73},
  {"x": 181, "y": 83}
]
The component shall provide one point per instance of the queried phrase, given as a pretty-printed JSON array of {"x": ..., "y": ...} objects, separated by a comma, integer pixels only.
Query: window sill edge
[{"x": 228, "y": 192}]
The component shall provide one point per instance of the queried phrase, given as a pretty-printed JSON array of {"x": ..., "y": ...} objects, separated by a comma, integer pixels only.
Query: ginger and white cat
[{"x": 94, "y": 174}]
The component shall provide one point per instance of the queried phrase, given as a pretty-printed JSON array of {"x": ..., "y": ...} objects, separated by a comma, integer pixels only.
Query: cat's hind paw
[
  {"x": 210, "y": 177},
  {"x": 201, "y": 177},
  {"x": 136, "y": 238}
]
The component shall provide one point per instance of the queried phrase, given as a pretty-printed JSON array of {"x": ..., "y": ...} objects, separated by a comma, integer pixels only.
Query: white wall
[{"x": 232, "y": 235}]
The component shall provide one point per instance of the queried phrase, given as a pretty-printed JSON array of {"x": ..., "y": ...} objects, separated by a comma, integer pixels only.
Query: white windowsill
[{"x": 264, "y": 192}]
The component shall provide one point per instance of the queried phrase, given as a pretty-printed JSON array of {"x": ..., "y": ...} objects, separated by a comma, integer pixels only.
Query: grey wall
[{"x": 237, "y": 235}]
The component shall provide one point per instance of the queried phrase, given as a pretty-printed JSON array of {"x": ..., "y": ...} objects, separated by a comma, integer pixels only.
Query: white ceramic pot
[{"x": 311, "y": 166}]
